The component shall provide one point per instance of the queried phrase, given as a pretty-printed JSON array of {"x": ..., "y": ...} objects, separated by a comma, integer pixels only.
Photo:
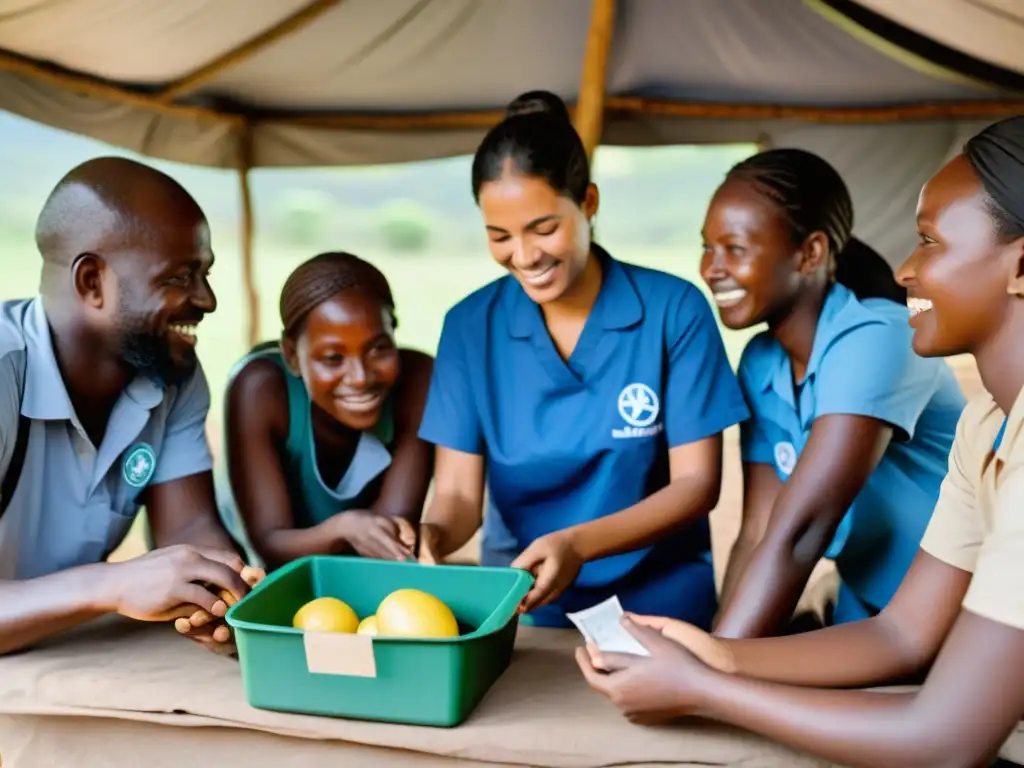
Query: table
[{"x": 117, "y": 693}]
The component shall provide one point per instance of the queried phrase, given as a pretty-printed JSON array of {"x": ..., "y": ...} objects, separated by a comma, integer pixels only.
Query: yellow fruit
[
  {"x": 367, "y": 626},
  {"x": 413, "y": 613},
  {"x": 326, "y": 614}
]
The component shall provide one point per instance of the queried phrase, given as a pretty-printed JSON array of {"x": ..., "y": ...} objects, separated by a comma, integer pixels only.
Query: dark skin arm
[
  {"x": 900, "y": 641},
  {"x": 257, "y": 429},
  {"x": 965, "y": 710},
  {"x": 840, "y": 455},
  {"x": 405, "y": 486},
  {"x": 163, "y": 585},
  {"x": 761, "y": 487},
  {"x": 184, "y": 511}
]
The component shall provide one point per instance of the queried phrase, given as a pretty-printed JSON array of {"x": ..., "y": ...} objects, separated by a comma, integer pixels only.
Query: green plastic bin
[{"x": 434, "y": 682}]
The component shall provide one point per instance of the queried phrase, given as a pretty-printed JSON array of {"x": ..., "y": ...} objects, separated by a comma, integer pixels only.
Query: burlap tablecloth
[{"x": 117, "y": 693}]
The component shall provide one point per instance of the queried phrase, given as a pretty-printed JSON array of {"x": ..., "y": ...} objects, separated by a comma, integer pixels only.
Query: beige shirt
[{"x": 978, "y": 524}]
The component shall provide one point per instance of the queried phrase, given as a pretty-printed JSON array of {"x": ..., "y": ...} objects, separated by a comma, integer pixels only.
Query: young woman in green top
[{"x": 322, "y": 451}]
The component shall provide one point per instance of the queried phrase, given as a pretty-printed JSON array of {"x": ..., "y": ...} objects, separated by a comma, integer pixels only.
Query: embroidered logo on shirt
[
  {"x": 639, "y": 408},
  {"x": 785, "y": 457},
  {"x": 139, "y": 465}
]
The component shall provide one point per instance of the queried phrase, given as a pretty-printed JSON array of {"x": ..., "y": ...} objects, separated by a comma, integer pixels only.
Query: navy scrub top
[{"x": 568, "y": 442}]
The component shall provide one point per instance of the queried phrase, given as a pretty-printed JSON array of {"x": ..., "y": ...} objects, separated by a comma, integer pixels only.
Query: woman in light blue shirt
[{"x": 850, "y": 430}]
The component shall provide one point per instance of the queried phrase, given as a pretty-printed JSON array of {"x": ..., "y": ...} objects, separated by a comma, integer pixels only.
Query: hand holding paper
[{"x": 601, "y": 625}]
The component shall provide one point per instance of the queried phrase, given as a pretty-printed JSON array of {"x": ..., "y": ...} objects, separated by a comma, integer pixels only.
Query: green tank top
[{"x": 312, "y": 500}]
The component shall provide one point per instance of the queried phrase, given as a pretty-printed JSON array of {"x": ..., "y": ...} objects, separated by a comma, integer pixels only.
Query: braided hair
[
  {"x": 323, "y": 276},
  {"x": 814, "y": 198}
]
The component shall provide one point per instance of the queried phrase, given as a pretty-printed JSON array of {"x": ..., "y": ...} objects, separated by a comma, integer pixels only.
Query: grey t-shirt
[{"x": 74, "y": 502}]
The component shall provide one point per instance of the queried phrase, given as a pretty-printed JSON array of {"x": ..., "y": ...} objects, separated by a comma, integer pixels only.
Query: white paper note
[{"x": 600, "y": 625}]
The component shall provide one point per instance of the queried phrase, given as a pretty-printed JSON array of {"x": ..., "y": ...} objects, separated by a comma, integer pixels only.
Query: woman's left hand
[
  {"x": 648, "y": 689},
  {"x": 554, "y": 563}
]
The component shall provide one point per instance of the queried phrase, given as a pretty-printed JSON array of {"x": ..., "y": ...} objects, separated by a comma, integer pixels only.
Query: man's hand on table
[
  {"x": 210, "y": 630},
  {"x": 648, "y": 689},
  {"x": 190, "y": 585}
]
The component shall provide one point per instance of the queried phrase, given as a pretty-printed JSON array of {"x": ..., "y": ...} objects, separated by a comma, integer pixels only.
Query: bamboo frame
[
  {"x": 483, "y": 119},
  {"x": 102, "y": 89},
  {"x": 245, "y": 164},
  {"x": 196, "y": 79},
  {"x": 589, "y": 114},
  {"x": 626, "y": 106}
]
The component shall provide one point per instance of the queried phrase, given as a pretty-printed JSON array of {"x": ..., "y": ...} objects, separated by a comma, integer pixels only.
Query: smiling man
[{"x": 103, "y": 406}]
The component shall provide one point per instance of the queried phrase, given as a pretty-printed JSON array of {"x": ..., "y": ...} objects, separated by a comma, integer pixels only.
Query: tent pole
[
  {"x": 245, "y": 164},
  {"x": 589, "y": 115}
]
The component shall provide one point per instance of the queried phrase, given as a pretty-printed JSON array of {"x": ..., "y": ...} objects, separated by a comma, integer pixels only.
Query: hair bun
[{"x": 538, "y": 102}]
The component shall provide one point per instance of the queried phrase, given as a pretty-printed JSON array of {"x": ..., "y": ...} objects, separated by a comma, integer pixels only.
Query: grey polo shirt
[{"x": 74, "y": 502}]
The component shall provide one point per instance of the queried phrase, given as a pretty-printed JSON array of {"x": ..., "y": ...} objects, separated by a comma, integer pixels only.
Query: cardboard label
[{"x": 336, "y": 653}]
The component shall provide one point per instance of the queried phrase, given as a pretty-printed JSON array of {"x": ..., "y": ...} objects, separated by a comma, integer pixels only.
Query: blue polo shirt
[
  {"x": 862, "y": 363},
  {"x": 570, "y": 442}
]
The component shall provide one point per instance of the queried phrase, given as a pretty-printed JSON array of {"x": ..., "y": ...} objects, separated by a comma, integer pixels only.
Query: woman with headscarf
[{"x": 959, "y": 613}]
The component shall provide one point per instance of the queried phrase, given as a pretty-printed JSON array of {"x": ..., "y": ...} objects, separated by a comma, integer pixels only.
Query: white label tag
[
  {"x": 600, "y": 625},
  {"x": 337, "y": 653}
]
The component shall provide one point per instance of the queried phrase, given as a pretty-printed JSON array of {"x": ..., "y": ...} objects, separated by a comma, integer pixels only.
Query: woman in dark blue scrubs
[{"x": 590, "y": 395}]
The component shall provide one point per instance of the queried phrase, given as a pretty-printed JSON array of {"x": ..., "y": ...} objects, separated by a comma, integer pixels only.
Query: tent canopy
[
  {"x": 883, "y": 89},
  {"x": 337, "y": 82}
]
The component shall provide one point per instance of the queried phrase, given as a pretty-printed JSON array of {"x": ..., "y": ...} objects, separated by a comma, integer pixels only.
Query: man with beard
[{"x": 103, "y": 406}]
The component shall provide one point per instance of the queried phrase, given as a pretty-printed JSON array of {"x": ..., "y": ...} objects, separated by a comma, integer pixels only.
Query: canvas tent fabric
[
  {"x": 305, "y": 91},
  {"x": 884, "y": 89}
]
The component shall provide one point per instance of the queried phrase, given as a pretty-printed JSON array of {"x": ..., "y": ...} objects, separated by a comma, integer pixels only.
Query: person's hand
[
  {"x": 554, "y": 563},
  {"x": 429, "y": 541},
  {"x": 711, "y": 650},
  {"x": 380, "y": 537},
  {"x": 210, "y": 631},
  {"x": 648, "y": 689},
  {"x": 168, "y": 583}
]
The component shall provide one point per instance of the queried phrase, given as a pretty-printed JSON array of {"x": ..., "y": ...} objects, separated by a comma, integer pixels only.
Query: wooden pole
[
  {"x": 593, "y": 79},
  {"x": 245, "y": 164},
  {"x": 298, "y": 20},
  {"x": 481, "y": 120}
]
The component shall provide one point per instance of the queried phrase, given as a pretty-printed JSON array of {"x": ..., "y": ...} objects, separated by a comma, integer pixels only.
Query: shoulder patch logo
[
  {"x": 785, "y": 457},
  {"x": 139, "y": 465}
]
